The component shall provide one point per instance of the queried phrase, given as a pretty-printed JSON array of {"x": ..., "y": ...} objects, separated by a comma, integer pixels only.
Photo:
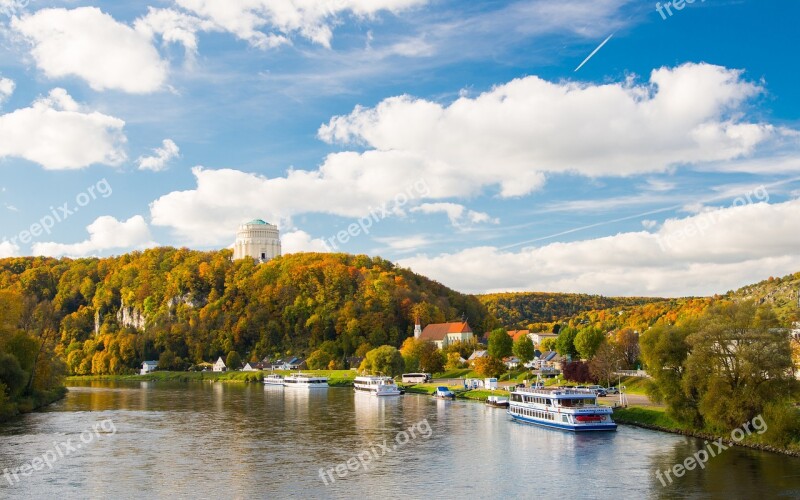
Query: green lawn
[{"x": 647, "y": 416}]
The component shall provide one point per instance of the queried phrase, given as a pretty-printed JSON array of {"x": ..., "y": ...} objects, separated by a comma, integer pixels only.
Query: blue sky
[{"x": 666, "y": 165}]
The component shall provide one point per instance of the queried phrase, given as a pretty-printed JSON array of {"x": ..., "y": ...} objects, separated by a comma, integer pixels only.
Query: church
[{"x": 257, "y": 240}]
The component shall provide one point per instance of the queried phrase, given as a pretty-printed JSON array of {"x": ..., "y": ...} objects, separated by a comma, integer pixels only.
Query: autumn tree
[
  {"x": 319, "y": 360},
  {"x": 489, "y": 366},
  {"x": 605, "y": 362},
  {"x": 587, "y": 341}
]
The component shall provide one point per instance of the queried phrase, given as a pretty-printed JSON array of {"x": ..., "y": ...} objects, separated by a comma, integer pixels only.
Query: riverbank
[
  {"x": 336, "y": 378},
  {"x": 657, "y": 419},
  {"x": 28, "y": 404},
  {"x": 474, "y": 395}
]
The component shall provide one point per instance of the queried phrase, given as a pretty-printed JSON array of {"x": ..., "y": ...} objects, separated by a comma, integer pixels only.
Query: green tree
[
  {"x": 12, "y": 375},
  {"x": 167, "y": 360},
  {"x": 453, "y": 361},
  {"x": 523, "y": 349},
  {"x": 233, "y": 361},
  {"x": 319, "y": 360},
  {"x": 431, "y": 360},
  {"x": 740, "y": 361},
  {"x": 549, "y": 344},
  {"x": 588, "y": 340},
  {"x": 500, "y": 343},
  {"x": 565, "y": 342},
  {"x": 384, "y": 360}
]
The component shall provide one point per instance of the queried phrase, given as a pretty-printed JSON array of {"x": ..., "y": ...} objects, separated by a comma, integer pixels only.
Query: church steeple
[{"x": 417, "y": 329}]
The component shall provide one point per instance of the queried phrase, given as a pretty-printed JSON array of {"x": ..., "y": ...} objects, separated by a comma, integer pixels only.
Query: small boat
[
  {"x": 302, "y": 381},
  {"x": 377, "y": 386},
  {"x": 497, "y": 402},
  {"x": 573, "y": 410},
  {"x": 273, "y": 380},
  {"x": 443, "y": 392}
]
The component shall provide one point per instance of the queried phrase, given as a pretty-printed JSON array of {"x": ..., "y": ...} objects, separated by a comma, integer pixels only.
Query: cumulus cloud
[
  {"x": 8, "y": 249},
  {"x": 58, "y": 134},
  {"x": 91, "y": 45},
  {"x": 312, "y": 19},
  {"x": 509, "y": 138},
  {"x": 105, "y": 233},
  {"x": 161, "y": 157},
  {"x": 515, "y": 134},
  {"x": 7, "y": 87},
  {"x": 698, "y": 255},
  {"x": 459, "y": 215},
  {"x": 300, "y": 241}
]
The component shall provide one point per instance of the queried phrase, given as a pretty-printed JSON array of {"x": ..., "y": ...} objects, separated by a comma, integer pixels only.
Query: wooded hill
[
  {"x": 113, "y": 313},
  {"x": 524, "y": 309}
]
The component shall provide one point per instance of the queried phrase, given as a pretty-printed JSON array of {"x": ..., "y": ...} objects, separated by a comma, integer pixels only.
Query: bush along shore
[
  {"x": 30, "y": 403},
  {"x": 658, "y": 420}
]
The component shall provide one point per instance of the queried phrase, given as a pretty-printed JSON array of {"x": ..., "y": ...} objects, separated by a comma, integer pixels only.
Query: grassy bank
[
  {"x": 476, "y": 395},
  {"x": 657, "y": 419},
  {"x": 27, "y": 404}
]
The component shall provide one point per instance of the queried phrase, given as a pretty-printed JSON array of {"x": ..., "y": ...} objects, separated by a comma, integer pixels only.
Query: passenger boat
[
  {"x": 378, "y": 386},
  {"x": 302, "y": 381},
  {"x": 497, "y": 402},
  {"x": 573, "y": 410},
  {"x": 443, "y": 392},
  {"x": 273, "y": 379}
]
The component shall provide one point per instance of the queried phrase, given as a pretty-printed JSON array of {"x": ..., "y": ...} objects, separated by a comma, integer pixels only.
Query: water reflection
[{"x": 224, "y": 440}]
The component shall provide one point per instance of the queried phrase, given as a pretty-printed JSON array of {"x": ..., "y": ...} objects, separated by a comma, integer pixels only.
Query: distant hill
[
  {"x": 523, "y": 309},
  {"x": 783, "y": 294},
  {"x": 112, "y": 313}
]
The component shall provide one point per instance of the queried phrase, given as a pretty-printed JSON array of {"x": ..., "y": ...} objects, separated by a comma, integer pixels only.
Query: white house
[
  {"x": 538, "y": 338},
  {"x": 219, "y": 366},
  {"x": 511, "y": 362},
  {"x": 148, "y": 366}
]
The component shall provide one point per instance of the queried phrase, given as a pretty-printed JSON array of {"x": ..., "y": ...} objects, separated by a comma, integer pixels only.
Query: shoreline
[
  {"x": 622, "y": 420},
  {"x": 34, "y": 403}
]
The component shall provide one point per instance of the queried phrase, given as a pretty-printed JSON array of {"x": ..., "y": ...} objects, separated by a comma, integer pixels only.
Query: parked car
[{"x": 612, "y": 390}]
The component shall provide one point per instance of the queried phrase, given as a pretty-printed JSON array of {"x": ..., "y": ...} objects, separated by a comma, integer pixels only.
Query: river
[{"x": 215, "y": 440}]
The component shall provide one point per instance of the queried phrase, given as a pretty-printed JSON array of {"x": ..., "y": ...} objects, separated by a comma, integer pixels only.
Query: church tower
[
  {"x": 257, "y": 240},
  {"x": 417, "y": 329}
]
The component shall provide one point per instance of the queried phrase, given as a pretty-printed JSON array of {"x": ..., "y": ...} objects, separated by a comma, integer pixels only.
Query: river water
[{"x": 207, "y": 440}]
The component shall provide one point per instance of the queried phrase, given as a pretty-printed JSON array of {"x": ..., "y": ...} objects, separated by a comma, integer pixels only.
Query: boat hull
[
  {"x": 376, "y": 392},
  {"x": 594, "y": 427}
]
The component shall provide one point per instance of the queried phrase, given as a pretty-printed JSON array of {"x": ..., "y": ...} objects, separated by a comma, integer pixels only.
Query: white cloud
[
  {"x": 174, "y": 27},
  {"x": 7, "y": 87},
  {"x": 698, "y": 255},
  {"x": 161, "y": 158},
  {"x": 511, "y": 137},
  {"x": 312, "y": 19},
  {"x": 300, "y": 241},
  {"x": 405, "y": 243},
  {"x": 459, "y": 215},
  {"x": 515, "y": 134},
  {"x": 56, "y": 133},
  {"x": 105, "y": 233},
  {"x": 8, "y": 249},
  {"x": 88, "y": 43},
  {"x": 649, "y": 224}
]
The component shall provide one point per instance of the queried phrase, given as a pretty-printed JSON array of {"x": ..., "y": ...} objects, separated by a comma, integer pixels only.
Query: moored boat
[
  {"x": 443, "y": 392},
  {"x": 273, "y": 379},
  {"x": 573, "y": 410},
  {"x": 378, "y": 386},
  {"x": 497, "y": 402},
  {"x": 302, "y": 381}
]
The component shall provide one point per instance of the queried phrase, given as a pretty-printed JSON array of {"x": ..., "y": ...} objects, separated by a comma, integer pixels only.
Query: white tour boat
[
  {"x": 273, "y": 379},
  {"x": 305, "y": 381},
  {"x": 573, "y": 410},
  {"x": 379, "y": 386}
]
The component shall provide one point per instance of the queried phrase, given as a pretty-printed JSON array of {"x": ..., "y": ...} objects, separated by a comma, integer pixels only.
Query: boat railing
[{"x": 555, "y": 391}]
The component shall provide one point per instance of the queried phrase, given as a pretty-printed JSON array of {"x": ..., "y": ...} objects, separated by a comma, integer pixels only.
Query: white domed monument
[{"x": 257, "y": 240}]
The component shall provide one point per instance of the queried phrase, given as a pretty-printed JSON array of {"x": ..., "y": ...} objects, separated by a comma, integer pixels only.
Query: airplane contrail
[{"x": 594, "y": 52}]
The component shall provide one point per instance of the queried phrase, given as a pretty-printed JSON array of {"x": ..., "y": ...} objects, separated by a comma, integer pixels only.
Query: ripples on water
[{"x": 204, "y": 440}]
